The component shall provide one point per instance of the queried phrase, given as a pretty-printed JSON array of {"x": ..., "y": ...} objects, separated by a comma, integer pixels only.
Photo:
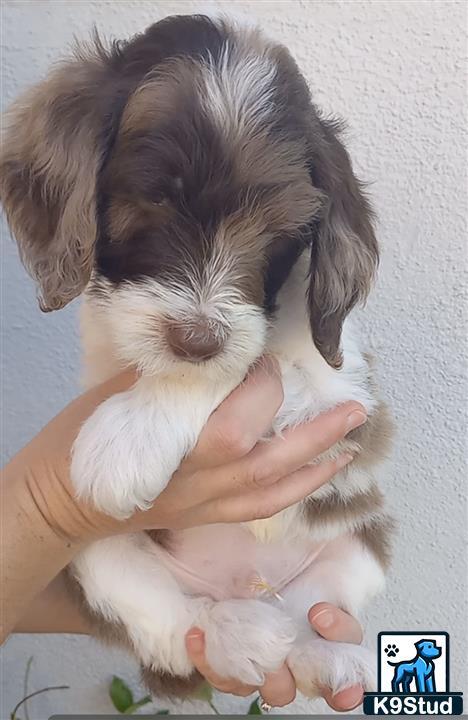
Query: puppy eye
[
  {"x": 160, "y": 200},
  {"x": 167, "y": 193}
]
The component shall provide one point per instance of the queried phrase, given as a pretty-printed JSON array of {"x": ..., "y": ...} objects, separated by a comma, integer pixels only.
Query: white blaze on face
[{"x": 139, "y": 312}]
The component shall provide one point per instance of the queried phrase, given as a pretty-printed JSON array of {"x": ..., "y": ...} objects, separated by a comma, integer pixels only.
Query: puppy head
[{"x": 178, "y": 177}]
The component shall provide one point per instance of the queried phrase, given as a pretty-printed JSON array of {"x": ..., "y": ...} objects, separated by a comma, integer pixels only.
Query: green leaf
[
  {"x": 138, "y": 704},
  {"x": 162, "y": 712},
  {"x": 254, "y": 709},
  {"x": 204, "y": 692},
  {"x": 120, "y": 694}
]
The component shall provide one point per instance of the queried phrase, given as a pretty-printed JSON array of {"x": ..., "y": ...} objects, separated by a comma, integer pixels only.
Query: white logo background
[{"x": 407, "y": 651}]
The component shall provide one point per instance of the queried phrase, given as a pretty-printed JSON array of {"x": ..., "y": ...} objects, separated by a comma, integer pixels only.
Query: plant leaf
[
  {"x": 254, "y": 709},
  {"x": 138, "y": 704},
  {"x": 163, "y": 712},
  {"x": 120, "y": 694},
  {"x": 204, "y": 692}
]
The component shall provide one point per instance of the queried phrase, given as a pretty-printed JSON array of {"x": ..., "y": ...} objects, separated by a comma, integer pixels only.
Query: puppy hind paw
[
  {"x": 322, "y": 663},
  {"x": 245, "y": 639}
]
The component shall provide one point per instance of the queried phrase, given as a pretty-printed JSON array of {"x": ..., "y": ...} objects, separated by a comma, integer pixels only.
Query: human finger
[
  {"x": 195, "y": 645},
  {"x": 242, "y": 419},
  {"x": 332, "y": 623},
  {"x": 344, "y": 701},
  {"x": 279, "y": 688},
  {"x": 297, "y": 446},
  {"x": 266, "y": 502}
]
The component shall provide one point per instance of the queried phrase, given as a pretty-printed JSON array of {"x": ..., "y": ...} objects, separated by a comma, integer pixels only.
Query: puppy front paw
[
  {"x": 323, "y": 663},
  {"x": 246, "y": 639},
  {"x": 123, "y": 456}
]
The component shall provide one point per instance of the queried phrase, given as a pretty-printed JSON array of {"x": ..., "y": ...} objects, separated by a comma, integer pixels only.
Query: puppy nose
[{"x": 196, "y": 340}]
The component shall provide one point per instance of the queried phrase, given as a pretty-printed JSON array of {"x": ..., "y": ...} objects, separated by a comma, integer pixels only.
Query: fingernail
[
  {"x": 352, "y": 697},
  {"x": 196, "y": 639},
  {"x": 343, "y": 460},
  {"x": 355, "y": 419},
  {"x": 323, "y": 620}
]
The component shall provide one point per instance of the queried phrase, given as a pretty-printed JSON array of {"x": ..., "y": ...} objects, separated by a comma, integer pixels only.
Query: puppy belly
[{"x": 226, "y": 561}]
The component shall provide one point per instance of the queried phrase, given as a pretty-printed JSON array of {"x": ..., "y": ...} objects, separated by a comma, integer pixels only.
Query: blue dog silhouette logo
[
  {"x": 412, "y": 663},
  {"x": 413, "y": 676},
  {"x": 421, "y": 668}
]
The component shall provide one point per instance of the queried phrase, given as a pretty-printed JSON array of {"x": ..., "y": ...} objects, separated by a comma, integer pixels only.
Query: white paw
[
  {"x": 322, "y": 663},
  {"x": 160, "y": 650},
  {"x": 246, "y": 639},
  {"x": 124, "y": 456}
]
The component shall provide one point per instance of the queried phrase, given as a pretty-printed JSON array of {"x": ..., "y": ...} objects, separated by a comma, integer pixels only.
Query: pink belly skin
[{"x": 226, "y": 561}]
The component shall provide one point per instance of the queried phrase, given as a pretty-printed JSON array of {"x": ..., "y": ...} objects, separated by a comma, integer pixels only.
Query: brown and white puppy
[{"x": 186, "y": 184}]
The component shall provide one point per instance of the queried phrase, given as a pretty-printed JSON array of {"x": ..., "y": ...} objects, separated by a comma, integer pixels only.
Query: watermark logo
[{"x": 413, "y": 676}]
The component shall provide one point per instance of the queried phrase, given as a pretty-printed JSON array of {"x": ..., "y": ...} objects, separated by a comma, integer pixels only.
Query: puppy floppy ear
[
  {"x": 344, "y": 253},
  {"x": 48, "y": 167}
]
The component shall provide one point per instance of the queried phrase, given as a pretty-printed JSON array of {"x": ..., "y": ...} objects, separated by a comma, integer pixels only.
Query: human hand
[
  {"x": 229, "y": 477},
  {"x": 279, "y": 688}
]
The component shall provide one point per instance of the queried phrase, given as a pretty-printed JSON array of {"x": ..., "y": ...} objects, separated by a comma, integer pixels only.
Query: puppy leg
[
  {"x": 127, "y": 451},
  {"x": 347, "y": 575},
  {"x": 125, "y": 582}
]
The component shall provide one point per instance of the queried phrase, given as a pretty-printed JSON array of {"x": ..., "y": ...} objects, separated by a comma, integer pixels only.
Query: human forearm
[
  {"x": 42, "y": 524},
  {"x": 33, "y": 550},
  {"x": 54, "y": 610}
]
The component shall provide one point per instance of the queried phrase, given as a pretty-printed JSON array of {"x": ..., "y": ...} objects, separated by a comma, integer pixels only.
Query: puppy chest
[{"x": 227, "y": 561}]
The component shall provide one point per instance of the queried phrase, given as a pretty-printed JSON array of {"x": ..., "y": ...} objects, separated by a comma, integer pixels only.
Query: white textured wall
[{"x": 395, "y": 71}]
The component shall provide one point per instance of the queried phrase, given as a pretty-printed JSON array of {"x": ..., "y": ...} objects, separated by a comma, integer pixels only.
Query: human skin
[{"x": 223, "y": 480}]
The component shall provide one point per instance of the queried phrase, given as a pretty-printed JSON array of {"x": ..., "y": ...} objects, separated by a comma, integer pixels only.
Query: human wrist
[
  {"x": 45, "y": 502},
  {"x": 40, "y": 504},
  {"x": 33, "y": 549}
]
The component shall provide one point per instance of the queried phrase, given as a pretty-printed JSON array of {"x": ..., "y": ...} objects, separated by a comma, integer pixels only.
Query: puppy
[{"x": 186, "y": 185}]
